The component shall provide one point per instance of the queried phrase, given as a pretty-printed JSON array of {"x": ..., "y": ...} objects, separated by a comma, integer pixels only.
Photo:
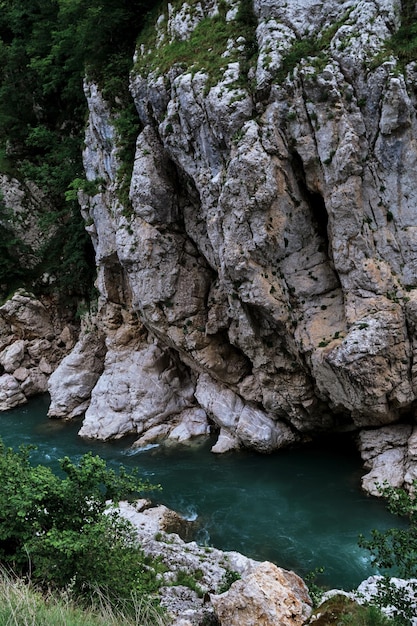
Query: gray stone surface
[{"x": 270, "y": 245}]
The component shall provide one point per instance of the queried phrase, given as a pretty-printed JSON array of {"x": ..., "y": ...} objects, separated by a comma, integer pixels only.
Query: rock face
[
  {"x": 390, "y": 455},
  {"x": 33, "y": 341},
  {"x": 269, "y": 248},
  {"x": 26, "y": 203}
]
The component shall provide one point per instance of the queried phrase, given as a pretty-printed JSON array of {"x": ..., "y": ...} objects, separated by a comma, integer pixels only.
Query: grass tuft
[{"x": 22, "y": 604}]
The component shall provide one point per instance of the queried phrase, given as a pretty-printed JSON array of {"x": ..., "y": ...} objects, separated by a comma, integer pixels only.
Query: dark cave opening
[
  {"x": 319, "y": 212},
  {"x": 315, "y": 201}
]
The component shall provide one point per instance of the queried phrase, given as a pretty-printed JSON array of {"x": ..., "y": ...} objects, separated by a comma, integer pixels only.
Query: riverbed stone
[
  {"x": 264, "y": 593},
  {"x": 245, "y": 425},
  {"x": 137, "y": 391},
  {"x": 34, "y": 336},
  {"x": 12, "y": 356},
  {"x": 192, "y": 423},
  {"x": 36, "y": 383},
  {"x": 28, "y": 316},
  {"x": 71, "y": 383}
]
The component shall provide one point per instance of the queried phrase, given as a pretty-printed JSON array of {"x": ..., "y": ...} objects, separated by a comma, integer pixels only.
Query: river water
[{"x": 301, "y": 509}]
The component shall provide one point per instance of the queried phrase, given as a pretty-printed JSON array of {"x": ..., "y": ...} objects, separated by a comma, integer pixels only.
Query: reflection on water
[{"x": 301, "y": 509}]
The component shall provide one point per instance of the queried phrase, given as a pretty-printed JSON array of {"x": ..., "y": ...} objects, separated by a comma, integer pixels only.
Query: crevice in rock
[
  {"x": 317, "y": 205},
  {"x": 116, "y": 282}
]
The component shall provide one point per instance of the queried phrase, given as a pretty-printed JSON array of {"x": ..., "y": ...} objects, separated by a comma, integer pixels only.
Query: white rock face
[
  {"x": 11, "y": 394},
  {"x": 137, "y": 390},
  {"x": 270, "y": 242},
  {"x": 245, "y": 425},
  {"x": 389, "y": 453},
  {"x": 71, "y": 383}
]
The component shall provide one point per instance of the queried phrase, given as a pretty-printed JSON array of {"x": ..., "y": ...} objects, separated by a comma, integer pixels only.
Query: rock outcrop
[
  {"x": 268, "y": 596},
  {"x": 34, "y": 338},
  {"x": 268, "y": 249},
  {"x": 390, "y": 455},
  {"x": 263, "y": 593}
]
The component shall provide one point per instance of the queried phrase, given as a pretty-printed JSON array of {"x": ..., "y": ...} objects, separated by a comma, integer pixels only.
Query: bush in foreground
[{"x": 60, "y": 532}]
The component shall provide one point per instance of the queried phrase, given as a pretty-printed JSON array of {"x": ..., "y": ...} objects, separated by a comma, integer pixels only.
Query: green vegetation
[
  {"x": 22, "y": 604},
  {"x": 47, "y": 47},
  {"x": 343, "y": 611},
  {"x": 403, "y": 43},
  {"x": 61, "y": 532},
  {"x": 203, "y": 50},
  {"x": 394, "y": 549},
  {"x": 230, "y": 576},
  {"x": 313, "y": 47},
  {"x": 397, "y": 547}
]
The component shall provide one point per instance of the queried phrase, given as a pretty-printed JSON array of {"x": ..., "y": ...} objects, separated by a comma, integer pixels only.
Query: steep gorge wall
[{"x": 264, "y": 276}]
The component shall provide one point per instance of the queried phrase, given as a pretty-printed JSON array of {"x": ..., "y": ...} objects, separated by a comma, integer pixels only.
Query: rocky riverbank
[{"x": 227, "y": 588}]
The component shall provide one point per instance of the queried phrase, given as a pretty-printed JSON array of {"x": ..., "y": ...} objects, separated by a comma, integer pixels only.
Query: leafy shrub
[
  {"x": 230, "y": 577},
  {"x": 396, "y": 549},
  {"x": 61, "y": 531}
]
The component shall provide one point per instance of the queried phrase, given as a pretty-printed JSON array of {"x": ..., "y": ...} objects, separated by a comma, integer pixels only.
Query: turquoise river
[{"x": 301, "y": 509}]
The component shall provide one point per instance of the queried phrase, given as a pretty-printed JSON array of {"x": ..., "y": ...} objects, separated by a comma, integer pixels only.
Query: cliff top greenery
[{"x": 207, "y": 47}]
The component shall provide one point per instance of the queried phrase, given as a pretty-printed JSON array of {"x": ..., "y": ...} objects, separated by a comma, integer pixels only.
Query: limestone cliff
[{"x": 263, "y": 276}]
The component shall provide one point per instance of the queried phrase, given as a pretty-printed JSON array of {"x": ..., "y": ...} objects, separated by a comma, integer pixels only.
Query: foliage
[
  {"x": 21, "y": 603},
  {"x": 230, "y": 577},
  {"x": 60, "y": 530},
  {"x": 204, "y": 48},
  {"x": 46, "y": 49},
  {"x": 396, "y": 548},
  {"x": 12, "y": 250},
  {"x": 190, "y": 580},
  {"x": 303, "y": 48},
  {"x": 404, "y": 42},
  {"x": 369, "y": 615},
  {"x": 341, "y": 610},
  {"x": 389, "y": 595},
  {"x": 314, "y": 589}
]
